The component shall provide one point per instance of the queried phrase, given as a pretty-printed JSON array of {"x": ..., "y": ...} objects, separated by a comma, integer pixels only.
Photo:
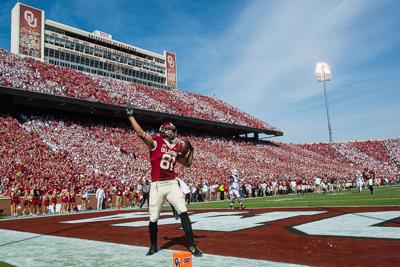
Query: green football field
[
  {"x": 4, "y": 264},
  {"x": 383, "y": 196}
]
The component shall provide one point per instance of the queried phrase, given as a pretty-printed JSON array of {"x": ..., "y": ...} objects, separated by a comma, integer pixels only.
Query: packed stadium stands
[
  {"x": 54, "y": 150},
  {"x": 57, "y": 151},
  {"x": 33, "y": 75}
]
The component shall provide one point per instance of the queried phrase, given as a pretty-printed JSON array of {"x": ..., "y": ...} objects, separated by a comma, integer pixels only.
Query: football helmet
[{"x": 168, "y": 131}]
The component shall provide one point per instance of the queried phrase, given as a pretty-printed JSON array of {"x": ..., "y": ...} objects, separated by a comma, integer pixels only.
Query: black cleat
[
  {"x": 195, "y": 250},
  {"x": 152, "y": 250}
]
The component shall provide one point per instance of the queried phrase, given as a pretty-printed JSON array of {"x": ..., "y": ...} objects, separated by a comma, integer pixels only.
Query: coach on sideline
[{"x": 100, "y": 195}]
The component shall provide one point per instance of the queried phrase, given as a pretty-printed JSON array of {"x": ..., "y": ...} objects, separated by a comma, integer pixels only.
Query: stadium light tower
[{"x": 323, "y": 73}]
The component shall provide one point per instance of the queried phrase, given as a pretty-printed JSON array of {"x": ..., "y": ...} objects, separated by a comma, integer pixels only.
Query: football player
[
  {"x": 369, "y": 176},
  {"x": 359, "y": 181},
  {"x": 234, "y": 189},
  {"x": 164, "y": 153},
  {"x": 186, "y": 192}
]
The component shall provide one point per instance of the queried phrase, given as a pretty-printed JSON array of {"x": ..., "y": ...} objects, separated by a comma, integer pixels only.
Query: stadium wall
[{"x": 5, "y": 204}]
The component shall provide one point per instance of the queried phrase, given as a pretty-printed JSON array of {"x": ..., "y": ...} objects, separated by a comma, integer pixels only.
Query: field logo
[
  {"x": 226, "y": 221},
  {"x": 364, "y": 224}
]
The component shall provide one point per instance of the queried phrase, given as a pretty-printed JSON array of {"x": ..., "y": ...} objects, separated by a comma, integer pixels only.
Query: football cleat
[
  {"x": 242, "y": 206},
  {"x": 195, "y": 250},
  {"x": 152, "y": 250}
]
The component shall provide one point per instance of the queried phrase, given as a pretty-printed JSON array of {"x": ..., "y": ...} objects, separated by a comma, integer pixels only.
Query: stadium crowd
[
  {"x": 53, "y": 159},
  {"x": 33, "y": 75},
  {"x": 43, "y": 157}
]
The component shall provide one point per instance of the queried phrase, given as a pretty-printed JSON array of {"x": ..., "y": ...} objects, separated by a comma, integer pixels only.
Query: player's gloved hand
[
  {"x": 191, "y": 148},
  {"x": 129, "y": 111}
]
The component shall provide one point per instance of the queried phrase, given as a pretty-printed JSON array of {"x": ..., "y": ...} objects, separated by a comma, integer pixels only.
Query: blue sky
[{"x": 260, "y": 55}]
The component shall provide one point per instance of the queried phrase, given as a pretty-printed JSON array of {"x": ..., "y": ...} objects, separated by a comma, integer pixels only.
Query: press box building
[{"x": 94, "y": 52}]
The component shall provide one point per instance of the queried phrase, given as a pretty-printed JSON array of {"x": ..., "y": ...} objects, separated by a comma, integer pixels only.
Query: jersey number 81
[{"x": 167, "y": 162}]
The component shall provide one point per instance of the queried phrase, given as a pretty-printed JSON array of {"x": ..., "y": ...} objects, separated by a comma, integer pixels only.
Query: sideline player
[
  {"x": 369, "y": 176},
  {"x": 186, "y": 192},
  {"x": 359, "y": 181},
  {"x": 234, "y": 189},
  {"x": 164, "y": 150}
]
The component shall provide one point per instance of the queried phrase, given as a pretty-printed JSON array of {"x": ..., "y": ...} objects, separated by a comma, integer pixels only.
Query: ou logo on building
[
  {"x": 30, "y": 18},
  {"x": 171, "y": 61}
]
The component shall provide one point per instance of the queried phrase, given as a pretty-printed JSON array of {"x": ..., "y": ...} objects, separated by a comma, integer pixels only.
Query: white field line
[
  {"x": 269, "y": 198},
  {"x": 27, "y": 249},
  {"x": 354, "y": 199}
]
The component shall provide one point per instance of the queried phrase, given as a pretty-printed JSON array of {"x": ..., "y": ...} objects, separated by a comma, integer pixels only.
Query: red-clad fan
[
  {"x": 26, "y": 204},
  {"x": 84, "y": 198},
  {"x": 108, "y": 198},
  {"x": 300, "y": 186},
  {"x": 136, "y": 197},
  {"x": 72, "y": 201},
  {"x": 45, "y": 203},
  {"x": 128, "y": 197},
  {"x": 64, "y": 201},
  {"x": 36, "y": 200},
  {"x": 14, "y": 202},
  {"x": 53, "y": 200},
  {"x": 118, "y": 198}
]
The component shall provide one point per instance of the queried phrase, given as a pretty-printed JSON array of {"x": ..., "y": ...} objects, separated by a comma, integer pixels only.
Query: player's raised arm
[{"x": 146, "y": 138}]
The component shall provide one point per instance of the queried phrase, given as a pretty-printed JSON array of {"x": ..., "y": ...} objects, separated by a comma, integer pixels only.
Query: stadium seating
[
  {"x": 393, "y": 148},
  {"x": 33, "y": 75},
  {"x": 51, "y": 151}
]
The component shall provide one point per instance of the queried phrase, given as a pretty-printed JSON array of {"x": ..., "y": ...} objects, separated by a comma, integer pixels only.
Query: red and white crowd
[
  {"x": 48, "y": 159},
  {"x": 32, "y": 75},
  {"x": 68, "y": 158}
]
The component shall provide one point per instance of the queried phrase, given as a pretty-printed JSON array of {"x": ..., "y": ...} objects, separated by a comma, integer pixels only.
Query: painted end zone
[{"x": 367, "y": 236}]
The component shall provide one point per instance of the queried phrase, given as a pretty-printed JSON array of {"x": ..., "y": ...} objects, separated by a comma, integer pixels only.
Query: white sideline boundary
[{"x": 27, "y": 249}]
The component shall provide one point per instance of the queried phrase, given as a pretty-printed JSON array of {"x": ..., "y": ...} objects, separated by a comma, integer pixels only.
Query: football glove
[{"x": 129, "y": 111}]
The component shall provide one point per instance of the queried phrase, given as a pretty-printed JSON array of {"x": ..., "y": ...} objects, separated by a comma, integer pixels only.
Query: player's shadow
[{"x": 178, "y": 240}]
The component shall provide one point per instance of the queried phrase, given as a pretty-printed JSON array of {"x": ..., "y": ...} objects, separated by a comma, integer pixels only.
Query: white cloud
[{"x": 267, "y": 57}]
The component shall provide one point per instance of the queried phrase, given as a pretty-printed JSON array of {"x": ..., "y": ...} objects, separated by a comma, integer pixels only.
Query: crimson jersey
[{"x": 163, "y": 159}]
